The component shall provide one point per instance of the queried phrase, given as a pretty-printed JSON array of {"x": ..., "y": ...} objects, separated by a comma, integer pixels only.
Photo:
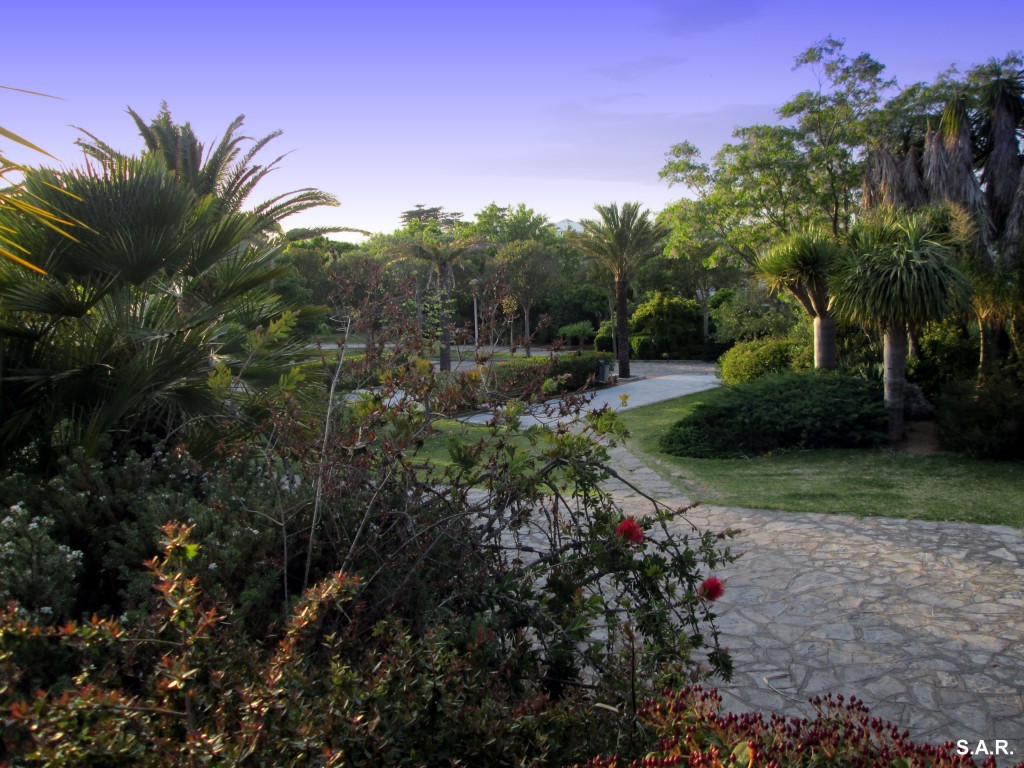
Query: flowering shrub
[
  {"x": 691, "y": 730},
  {"x": 711, "y": 589},
  {"x": 630, "y": 531},
  {"x": 36, "y": 570},
  {"x": 182, "y": 687}
]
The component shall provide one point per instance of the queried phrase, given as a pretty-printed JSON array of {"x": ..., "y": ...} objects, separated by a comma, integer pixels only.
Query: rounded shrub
[
  {"x": 750, "y": 360},
  {"x": 667, "y": 327},
  {"x": 781, "y": 412}
]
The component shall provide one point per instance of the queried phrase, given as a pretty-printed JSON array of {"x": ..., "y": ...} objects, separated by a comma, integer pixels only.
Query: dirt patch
[{"x": 922, "y": 439}]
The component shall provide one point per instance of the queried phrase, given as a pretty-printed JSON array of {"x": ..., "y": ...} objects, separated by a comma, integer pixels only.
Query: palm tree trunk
[
  {"x": 987, "y": 332},
  {"x": 622, "y": 325},
  {"x": 895, "y": 354},
  {"x": 825, "y": 353}
]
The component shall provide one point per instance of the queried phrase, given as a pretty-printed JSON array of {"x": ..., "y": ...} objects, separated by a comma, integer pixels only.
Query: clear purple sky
[{"x": 559, "y": 105}]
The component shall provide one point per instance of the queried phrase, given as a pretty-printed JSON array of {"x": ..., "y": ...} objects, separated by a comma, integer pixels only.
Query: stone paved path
[{"x": 923, "y": 621}]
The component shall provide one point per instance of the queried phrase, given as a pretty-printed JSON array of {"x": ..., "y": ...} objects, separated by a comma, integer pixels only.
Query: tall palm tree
[
  {"x": 898, "y": 273},
  {"x": 621, "y": 240},
  {"x": 802, "y": 265}
]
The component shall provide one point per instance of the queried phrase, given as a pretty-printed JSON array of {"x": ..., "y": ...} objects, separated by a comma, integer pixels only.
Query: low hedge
[{"x": 781, "y": 412}]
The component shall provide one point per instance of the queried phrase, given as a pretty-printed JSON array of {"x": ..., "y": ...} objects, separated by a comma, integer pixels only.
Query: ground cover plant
[{"x": 864, "y": 482}]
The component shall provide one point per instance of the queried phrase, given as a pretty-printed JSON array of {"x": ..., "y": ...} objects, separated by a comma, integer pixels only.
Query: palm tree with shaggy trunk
[
  {"x": 621, "y": 240},
  {"x": 802, "y": 264},
  {"x": 899, "y": 273}
]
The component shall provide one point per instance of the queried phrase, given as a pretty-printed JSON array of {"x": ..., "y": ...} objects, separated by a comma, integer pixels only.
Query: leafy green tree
[
  {"x": 899, "y": 273},
  {"x": 503, "y": 225},
  {"x": 831, "y": 121},
  {"x": 621, "y": 240},
  {"x": 526, "y": 267},
  {"x": 802, "y": 265},
  {"x": 700, "y": 259}
]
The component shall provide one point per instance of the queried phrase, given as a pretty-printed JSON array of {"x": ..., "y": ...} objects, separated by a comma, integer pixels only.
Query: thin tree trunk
[
  {"x": 526, "y": 330},
  {"x": 895, "y": 353},
  {"x": 446, "y": 322},
  {"x": 622, "y": 325},
  {"x": 825, "y": 354}
]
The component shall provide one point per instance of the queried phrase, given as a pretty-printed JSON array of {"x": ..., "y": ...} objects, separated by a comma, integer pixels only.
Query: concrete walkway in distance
[
  {"x": 651, "y": 382},
  {"x": 922, "y": 621}
]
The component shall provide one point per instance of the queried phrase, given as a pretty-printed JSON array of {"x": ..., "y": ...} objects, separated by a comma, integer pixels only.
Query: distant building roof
[{"x": 565, "y": 224}]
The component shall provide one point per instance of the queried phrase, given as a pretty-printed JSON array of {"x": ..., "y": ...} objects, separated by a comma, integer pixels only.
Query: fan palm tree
[
  {"x": 802, "y": 265},
  {"x": 621, "y": 240},
  {"x": 898, "y": 273},
  {"x": 121, "y": 335},
  {"x": 225, "y": 173}
]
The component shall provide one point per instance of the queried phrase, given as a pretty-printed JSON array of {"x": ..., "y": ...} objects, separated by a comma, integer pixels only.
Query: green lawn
[{"x": 855, "y": 482}]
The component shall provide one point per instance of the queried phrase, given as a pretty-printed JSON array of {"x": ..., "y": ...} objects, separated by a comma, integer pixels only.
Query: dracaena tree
[
  {"x": 802, "y": 265},
  {"x": 899, "y": 272},
  {"x": 621, "y": 239}
]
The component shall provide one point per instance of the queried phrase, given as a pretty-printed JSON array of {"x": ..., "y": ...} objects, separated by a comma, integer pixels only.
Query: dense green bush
[
  {"x": 781, "y": 412},
  {"x": 748, "y": 315},
  {"x": 575, "y": 371},
  {"x": 581, "y": 332},
  {"x": 183, "y": 687},
  {"x": 948, "y": 353},
  {"x": 986, "y": 419},
  {"x": 668, "y": 327},
  {"x": 584, "y": 301},
  {"x": 750, "y": 360}
]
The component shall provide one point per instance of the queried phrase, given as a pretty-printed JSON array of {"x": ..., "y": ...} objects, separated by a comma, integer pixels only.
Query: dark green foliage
[
  {"x": 748, "y": 315},
  {"x": 584, "y": 301},
  {"x": 984, "y": 420},
  {"x": 567, "y": 372},
  {"x": 672, "y": 327},
  {"x": 948, "y": 353},
  {"x": 182, "y": 686},
  {"x": 109, "y": 511},
  {"x": 751, "y": 360},
  {"x": 577, "y": 370},
  {"x": 781, "y": 412},
  {"x": 580, "y": 332}
]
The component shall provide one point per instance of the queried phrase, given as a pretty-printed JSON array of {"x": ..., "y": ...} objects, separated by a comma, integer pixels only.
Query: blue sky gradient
[{"x": 559, "y": 105}]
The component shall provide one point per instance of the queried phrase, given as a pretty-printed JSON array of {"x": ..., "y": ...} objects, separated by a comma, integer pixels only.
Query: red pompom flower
[
  {"x": 711, "y": 589},
  {"x": 629, "y": 530}
]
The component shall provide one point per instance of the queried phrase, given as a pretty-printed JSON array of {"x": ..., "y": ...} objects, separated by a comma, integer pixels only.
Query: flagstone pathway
[{"x": 922, "y": 621}]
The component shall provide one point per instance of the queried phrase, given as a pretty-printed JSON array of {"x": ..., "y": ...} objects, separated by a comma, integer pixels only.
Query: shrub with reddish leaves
[{"x": 693, "y": 731}]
